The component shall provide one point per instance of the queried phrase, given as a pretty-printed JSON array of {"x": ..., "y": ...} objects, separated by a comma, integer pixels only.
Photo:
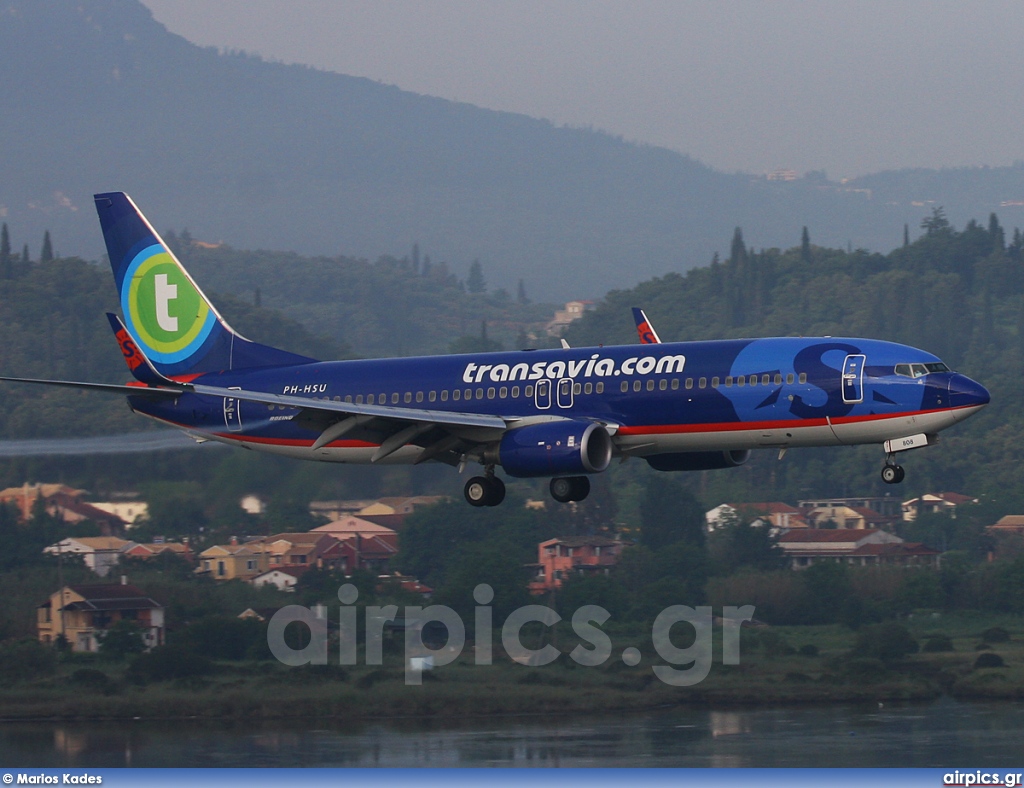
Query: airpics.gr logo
[{"x": 164, "y": 311}]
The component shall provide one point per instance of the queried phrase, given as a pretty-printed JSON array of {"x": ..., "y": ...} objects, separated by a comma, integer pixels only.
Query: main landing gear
[
  {"x": 486, "y": 490},
  {"x": 570, "y": 488},
  {"x": 892, "y": 473}
]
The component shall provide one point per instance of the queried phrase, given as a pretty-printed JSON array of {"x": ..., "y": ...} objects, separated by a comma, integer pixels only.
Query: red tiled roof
[{"x": 827, "y": 534}]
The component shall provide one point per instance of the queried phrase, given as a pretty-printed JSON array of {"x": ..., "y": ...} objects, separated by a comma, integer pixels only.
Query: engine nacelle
[
  {"x": 698, "y": 460},
  {"x": 555, "y": 448}
]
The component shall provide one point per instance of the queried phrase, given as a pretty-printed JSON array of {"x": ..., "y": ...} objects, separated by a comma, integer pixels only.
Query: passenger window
[
  {"x": 394, "y": 398},
  {"x": 803, "y": 377},
  {"x": 636, "y": 385},
  {"x": 728, "y": 381},
  {"x": 778, "y": 378},
  {"x": 588, "y": 388},
  {"x": 433, "y": 396},
  {"x": 714, "y": 383},
  {"x": 703, "y": 383},
  {"x": 457, "y": 395},
  {"x": 624, "y": 387},
  {"x": 348, "y": 398},
  {"x": 576, "y": 388},
  {"x": 408, "y": 397},
  {"x": 600, "y": 387},
  {"x": 503, "y": 392},
  {"x": 789, "y": 379},
  {"x": 490, "y": 393},
  {"x": 689, "y": 383},
  {"x": 469, "y": 393},
  {"x": 479, "y": 393},
  {"x": 650, "y": 385},
  {"x": 741, "y": 380},
  {"x": 419, "y": 396},
  {"x": 528, "y": 392},
  {"x": 675, "y": 384},
  {"x": 444, "y": 395},
  {"x": 766, "y": 379},
  {"x": 515, "y": 392},
  {"x": 662, "y": 384},
  {"x": 359, "y": 399}
]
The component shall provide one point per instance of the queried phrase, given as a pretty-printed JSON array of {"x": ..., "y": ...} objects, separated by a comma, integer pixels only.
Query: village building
[
  {"x": 776, "y": 514},
  {"x": 283, "y": 578},
  {"x": 885, "y": 506},
  {"x": 853, "y": 546},
  {"x": 361, "y": 544},
  {"x": 99, "y": 553},
  {"x": 65, "y": 503},
  {"x": 232, "y": 561},
  {"x": 574, "y": 310},
  {"x": 82, "y": 613},
  {"x": 150, "y": 550},
  {"x": 843, "y": 517},
  {"x": 131, "y": 512},
  {"x": 559, "y": 559},
  {"x": 1011, "y": 524},
  {"x": 935, "y": 503}
]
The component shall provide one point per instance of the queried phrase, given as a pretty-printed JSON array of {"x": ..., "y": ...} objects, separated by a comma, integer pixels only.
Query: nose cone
[{"x": 966, "y": 393}]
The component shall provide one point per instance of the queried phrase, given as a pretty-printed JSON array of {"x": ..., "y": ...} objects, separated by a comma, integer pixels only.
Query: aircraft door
[
  {"x": 232, "y": 413},
  {"x": 853, "y": 379},
  {"x": 542, "y": 394},
  {"x": 564, "y": 397}
]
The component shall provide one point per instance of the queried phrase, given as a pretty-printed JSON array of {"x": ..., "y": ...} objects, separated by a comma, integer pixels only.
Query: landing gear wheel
[
  {"x": 484, "y": 491},
  {"x": 570, "y": 488},
  {"x": 892, "y": 474}
]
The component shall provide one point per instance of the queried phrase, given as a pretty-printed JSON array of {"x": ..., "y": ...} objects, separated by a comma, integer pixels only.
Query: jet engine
[{"x": 555, "y": 448}]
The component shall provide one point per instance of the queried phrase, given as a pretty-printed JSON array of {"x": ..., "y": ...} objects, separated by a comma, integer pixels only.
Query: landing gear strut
[
  {"x": 570, "y": 488},
  {"x": 486, "y": 490},
  {"x": 892, "y": 473}
]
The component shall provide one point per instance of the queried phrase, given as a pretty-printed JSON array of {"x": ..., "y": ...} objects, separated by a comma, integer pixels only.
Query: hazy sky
[{"x": 847, "y": 87}]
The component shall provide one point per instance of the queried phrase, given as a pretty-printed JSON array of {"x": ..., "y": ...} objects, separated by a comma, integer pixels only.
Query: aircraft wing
[
  {"x": 137, "y": 390},
  {"x": 440, "y": 417}
]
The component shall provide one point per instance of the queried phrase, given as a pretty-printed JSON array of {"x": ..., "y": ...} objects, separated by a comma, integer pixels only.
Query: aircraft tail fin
[
  {"x": 644, "y": 329},
  {"x": 171, "y": 321}
]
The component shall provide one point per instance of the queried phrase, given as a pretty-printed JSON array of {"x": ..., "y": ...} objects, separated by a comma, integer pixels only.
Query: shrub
[
  {"x": 995, "y": 635},
  {"x": 168, "y": 662},
  {"x": 122, "y": 639},
  {"x": 989, "y": 660},
  {"x": 89, "y": 678},
  {"x": 808, "y": 650},
  {"x": 936, "y": 643},
  {"x": 25, "y": 660},
  {"x": 774, "y": 645},
  {"x": 888, "y": 641}
]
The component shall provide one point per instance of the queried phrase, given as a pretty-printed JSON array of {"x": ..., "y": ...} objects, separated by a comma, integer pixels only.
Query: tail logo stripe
[{"x": 164, "y": 311}]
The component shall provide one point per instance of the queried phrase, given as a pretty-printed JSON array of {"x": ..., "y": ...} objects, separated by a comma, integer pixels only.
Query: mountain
[{"x": 99, "y": 96}]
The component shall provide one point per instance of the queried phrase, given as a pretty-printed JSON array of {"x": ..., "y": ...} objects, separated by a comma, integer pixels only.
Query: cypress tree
[
  {"x": 46, "y": 255},
  {"x": 6, "y": 269},
  {"x": 906, "y": 235},
  {"x": 25, "y": 259},
  {"x": 805, "y": 246},
  {"x": 475, "y": 282},
  {"x": 996, "y": 233},
  {"x": 521, "y": 294}
]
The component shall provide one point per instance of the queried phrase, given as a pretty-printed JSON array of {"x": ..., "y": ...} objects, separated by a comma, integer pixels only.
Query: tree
[
  {"x": 805, "y": 246},
  {"x": 46, "y": 255},
  {"x": 936, "y": 223},
  {"x": 475, "y": 282},
  {"x": 521, "y": 297},
  {"x": 121, "y": 639},
  {"x": 669, "y": 513},
  {"x": 6, "y": 264}
]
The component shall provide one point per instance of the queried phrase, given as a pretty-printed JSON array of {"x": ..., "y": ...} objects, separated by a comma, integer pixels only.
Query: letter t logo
[{"x": 165, "y": 293}]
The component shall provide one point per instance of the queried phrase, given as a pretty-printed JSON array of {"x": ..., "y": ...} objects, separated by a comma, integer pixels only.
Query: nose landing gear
[{"x": 892, "y": 473}]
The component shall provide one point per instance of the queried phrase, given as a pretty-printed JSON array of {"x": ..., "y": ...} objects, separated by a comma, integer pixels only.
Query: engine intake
[
  {"x": 698, "y": 460},
  {"x": 555, "y": 448}
]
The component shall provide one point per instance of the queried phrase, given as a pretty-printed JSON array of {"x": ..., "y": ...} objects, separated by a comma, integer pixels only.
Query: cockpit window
[{"x": 920, "y": 370}]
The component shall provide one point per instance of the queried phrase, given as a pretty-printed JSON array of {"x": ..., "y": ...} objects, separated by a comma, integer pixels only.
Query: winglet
[
  {"x": 138, "y": 364},
  {"x": 648, "y": 336}
]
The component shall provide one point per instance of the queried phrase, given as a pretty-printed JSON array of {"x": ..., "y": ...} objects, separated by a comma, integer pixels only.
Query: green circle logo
[{"x": 165, "y": 312}]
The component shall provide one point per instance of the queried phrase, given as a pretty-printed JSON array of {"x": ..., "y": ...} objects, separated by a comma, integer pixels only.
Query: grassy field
[{"x": 778, "y": 665}]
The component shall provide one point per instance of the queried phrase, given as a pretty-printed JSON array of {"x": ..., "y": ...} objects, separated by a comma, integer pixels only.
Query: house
[
  {"x": 361, "y": 544},
  {"x": 886, "y": 506},
  {"x": 557, "y": 559},
  {"x": 65, "y": 503},
  {"x": 400, "y": 505},
  {"x": 149, "y": 550},
  {"x": 131, "y": 512},
  {"x": 1010, "y": 524},
  {"x": 253, "y": 504},
  {"x": 294, "y": 549},
  {"x": 100, "y": 553},
  {"x": 853, "y": 546},
  {"x": 934, "y": 503},
  {"x": 779, "y": 515},
  {"x": 80, "y": 613},
  {"x": 845, "y": 517},
  {"x": 232, "y": 561},
  {"x": 574, "y": 310},
  {"x": 283, "y": 578}
]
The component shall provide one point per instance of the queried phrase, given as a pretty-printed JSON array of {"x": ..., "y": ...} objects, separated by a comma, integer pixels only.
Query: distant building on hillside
[
  {"x": 83, "y": 612},
  {"x": 100, "y": 553},
  {"x": 574, "y": 310},
  {"x": 935, "y": 503},
  {"x": 853, "y": 546},
  {"x": 559, "y": 559},
  {"x": 777, "y": 514},
  {"x": 886, "y": 506}
]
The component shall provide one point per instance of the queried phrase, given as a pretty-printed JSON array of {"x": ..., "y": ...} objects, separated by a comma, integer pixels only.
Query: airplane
[{"x": 564, "y": 413}]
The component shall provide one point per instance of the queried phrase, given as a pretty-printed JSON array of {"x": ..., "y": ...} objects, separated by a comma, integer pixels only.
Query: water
[{"x": 941, "y": 734}]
